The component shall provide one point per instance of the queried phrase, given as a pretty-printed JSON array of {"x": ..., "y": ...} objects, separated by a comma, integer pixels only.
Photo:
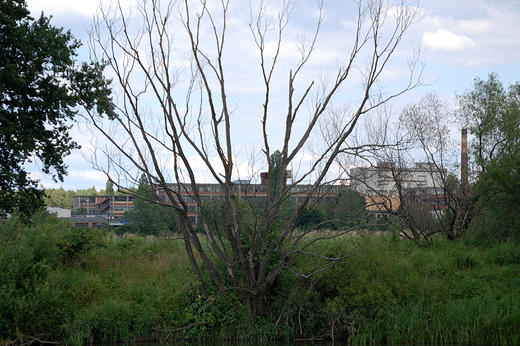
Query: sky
[{"x": 460, "y": 40}]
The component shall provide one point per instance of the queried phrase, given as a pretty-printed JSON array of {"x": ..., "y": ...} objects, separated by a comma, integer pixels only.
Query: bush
[{"x": 29, "y": 301}]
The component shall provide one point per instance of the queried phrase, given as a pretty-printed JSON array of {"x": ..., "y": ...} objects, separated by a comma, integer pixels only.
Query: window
[
  {"x": 81, "y": 224},
  {"x": 87, "y": 200},
  {"x": 260, "y": 188},
  {"x": 120, "y": 208},
  {"x": 204, "y": 188},
  {"x": 192, "y": 209}
]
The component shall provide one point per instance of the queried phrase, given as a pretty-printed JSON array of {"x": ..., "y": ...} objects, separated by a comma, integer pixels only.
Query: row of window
[
  {"x": 250, "y": 188},
  {"x": 85, "y": 224},
  {"x": 121, "y": 208},
  {"x": 92, "y": 199}
]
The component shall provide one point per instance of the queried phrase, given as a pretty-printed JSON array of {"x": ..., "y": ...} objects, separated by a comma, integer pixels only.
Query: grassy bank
[{"x": 83, "y": 285}]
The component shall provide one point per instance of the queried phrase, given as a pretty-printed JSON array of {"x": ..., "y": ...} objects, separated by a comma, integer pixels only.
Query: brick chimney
[
  {"x": 264, "y": 178},
  {"x": 464, "y": 159}
]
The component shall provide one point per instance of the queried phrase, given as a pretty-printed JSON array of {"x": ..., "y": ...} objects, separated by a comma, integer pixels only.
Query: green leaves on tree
[{"x": 40, "y": 89}]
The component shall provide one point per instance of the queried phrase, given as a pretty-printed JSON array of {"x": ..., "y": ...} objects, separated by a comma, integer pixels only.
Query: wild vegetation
[
  {"x": 178, "y": 117},
  {"x": 253, "y": 271},
  {"x": 85, "y": 285}
]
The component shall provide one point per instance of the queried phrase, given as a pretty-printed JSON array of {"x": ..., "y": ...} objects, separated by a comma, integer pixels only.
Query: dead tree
[
  {"x": 171, "y": 105},
  {"x": 419, "y": 172}
]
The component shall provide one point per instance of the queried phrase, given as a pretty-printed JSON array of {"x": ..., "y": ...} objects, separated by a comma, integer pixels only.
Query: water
[{"x": 243, "y": 343}]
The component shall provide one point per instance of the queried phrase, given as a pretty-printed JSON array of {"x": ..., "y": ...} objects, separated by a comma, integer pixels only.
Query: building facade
[
  {"x": 113, "y": 207},
  {"x": 245, "y": 189},
  {"x": 61, "y": 213},
  {"x": 385, "y": 185}
]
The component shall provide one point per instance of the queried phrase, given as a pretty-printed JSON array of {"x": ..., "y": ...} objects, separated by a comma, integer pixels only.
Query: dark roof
[{"x": 88, "y": 218}]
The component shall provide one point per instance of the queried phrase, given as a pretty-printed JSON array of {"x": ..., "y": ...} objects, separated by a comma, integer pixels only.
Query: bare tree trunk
[{"x": 168, "y": 112}]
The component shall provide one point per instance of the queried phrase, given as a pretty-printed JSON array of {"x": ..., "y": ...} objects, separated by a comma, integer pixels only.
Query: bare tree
[
  {"x": 172, "y": 105},
  {"x": 415, "y": 177}
]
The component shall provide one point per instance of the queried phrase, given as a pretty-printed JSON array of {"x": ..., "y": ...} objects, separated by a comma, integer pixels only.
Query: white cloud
[
  {"x": 53, "y": 7},
  {"x": 446, "y": 40},
  {"x": 89, "y": 175},
  {"x": 476, "y": 25}
]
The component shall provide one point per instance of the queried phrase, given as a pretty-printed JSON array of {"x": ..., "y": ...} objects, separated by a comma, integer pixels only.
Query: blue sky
[{"x": 459, "y": 39}]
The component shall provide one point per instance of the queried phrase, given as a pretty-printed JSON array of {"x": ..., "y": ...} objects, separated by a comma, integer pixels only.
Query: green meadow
[{"x": 80, "y": 286}]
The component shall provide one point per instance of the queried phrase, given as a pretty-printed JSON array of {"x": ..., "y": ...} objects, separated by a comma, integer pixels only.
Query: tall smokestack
[{"x": 464, "y": 158}]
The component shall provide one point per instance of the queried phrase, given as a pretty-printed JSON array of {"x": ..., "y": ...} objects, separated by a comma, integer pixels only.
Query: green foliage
[
  {"x": 29, "y": 301},
  {"x": 396, "y": 292},
  {"x": 85, "y": 286},
  {"x": 349, "y": 208},
  {"x": 107, "y": 321},
  {"x": 499, "y": 190},
  {"x": 109, "y": 189},
  {"x": 59, "y": 198},
  {"x": 89, "y": 192},
  {"x": 75, "y": 241},
  {"x": 40, "y": 90},
  {"x": 82, "y": 210},
  {"x": 346, "y": 210},
  {"x": 311, "y": 217},
  {"x": 278, "y": 174},
  {"x": 492, "y": 114},
  {"x": 147, "y": 217},
  {"x": 36, "y": 104}
]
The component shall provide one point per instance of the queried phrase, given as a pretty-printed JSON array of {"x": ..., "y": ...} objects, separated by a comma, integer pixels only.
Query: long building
[
  {"x": 382, "y": 184},
  {"x": 245, "y": 189},
  {"x": 114, "y": 207}
]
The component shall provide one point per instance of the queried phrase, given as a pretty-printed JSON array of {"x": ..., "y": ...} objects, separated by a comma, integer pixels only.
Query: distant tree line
[{"x": 63, "y": 198}]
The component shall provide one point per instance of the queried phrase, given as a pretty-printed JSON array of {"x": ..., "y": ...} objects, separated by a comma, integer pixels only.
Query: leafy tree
[
  {"x": 348, "y": 208},
  {"x": 277, "y": 172},
  {"x": 148, "y": 218},
  {"x": 59, "y": 198},
  {"x": 492, "y": 114},
  {"x": 88, "y": 192},
  {"x": 39, "y": 92},
  {"x": 445, "y": 206},
  {"x": 109, "y": 189},
  {"x": 311, "y": 217}
]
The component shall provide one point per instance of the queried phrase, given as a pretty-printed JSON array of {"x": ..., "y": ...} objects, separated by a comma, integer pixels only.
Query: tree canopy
[
  {"x": 37, "y": 103},
  {"x": 492, "y": 114},
  {"x": 148, "y": 217}
]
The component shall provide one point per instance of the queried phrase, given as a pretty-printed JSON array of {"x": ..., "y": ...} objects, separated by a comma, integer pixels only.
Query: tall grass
[{"x": 89, "y": 286}]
